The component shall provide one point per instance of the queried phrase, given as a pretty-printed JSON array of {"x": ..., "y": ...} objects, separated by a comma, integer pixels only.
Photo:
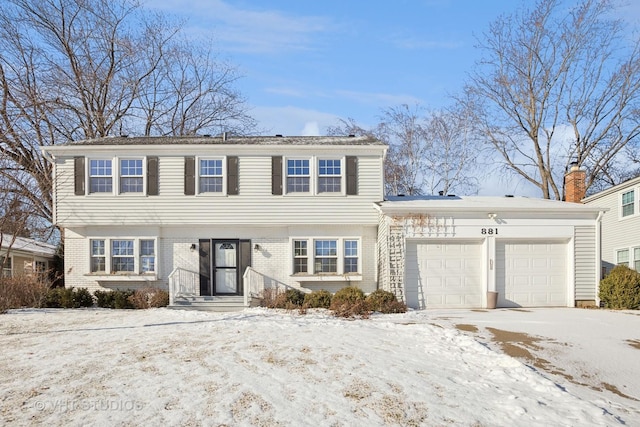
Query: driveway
[{"x": 592, "y": 353}]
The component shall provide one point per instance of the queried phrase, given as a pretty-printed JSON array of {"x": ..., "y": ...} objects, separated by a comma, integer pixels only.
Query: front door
[
  {"x": 222, "y": 264},
  {"x": 225, "y": 267}
]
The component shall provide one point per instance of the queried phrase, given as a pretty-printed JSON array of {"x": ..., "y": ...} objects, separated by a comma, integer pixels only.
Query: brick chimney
[{"x": 574, "y": 184}]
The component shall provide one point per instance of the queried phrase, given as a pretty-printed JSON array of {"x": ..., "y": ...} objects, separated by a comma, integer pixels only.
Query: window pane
[
  {"x": 298, "y": 185},
  {"x": 97, "y": 247},
  {"x": 100, "y": 168},
  {"x": 122, "y": 247},
  {"x": 326, "y": 265},
  {"x": 300, "y": 248},
  {"x": 210, "y": 185},
  {"x": 100, "y": 185},
  {"x": 98, "y": 264},
  {"x": 623, "y": 257},
  {"x": 326, "y": 256},
  {"x": 131, "y": 185},
  {"x": 211, "y": 167},
  {"x": 300, "y": 265},
  {"x": 350, "y": 256},
  {"x": 297, "y": 167},
  {"x": 628, "y": 199},
  {"x": 329, "y": 185},
  {"x": 122, "y": 264},
  {"x": 329, "y": 167},
  {"x": 326, "y": 248},
  {"x": 351, "y": 265},
  {"x": 131, "y": 167},
  {"x": 147, "y": 247}
]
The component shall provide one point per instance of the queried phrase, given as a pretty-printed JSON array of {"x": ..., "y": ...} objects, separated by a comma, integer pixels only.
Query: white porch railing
[
  {"x": 253, "y": 285},
  {"x": 183, "y": 283}
]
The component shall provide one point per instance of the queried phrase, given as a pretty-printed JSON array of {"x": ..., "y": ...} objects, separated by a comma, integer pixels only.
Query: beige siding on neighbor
[
  {"x": 585, "y": 263},
  {"x": 254, "y": 205}
]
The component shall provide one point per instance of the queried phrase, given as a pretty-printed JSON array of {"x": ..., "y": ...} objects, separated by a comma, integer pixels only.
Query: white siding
[
  {"x": 585, "y": 263},
  {"x": 254, "y": 205}
]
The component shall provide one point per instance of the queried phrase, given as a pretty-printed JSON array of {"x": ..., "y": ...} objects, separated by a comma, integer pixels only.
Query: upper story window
[
  {"x": 131, "y": 176},
  {"x": 329, "y": 176},
  {"x": 298, "y": 176},
  {"x": 628, "y": 203},
  {"x": 210, "y": 175},
  {"x": 100, "y": 176}
]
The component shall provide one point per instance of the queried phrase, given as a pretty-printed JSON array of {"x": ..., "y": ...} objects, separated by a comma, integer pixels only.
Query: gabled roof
[
  {"x": 27, "y": 245},
  {"x": 481, "y": 204},
  {"x": 628, "y": 183}
]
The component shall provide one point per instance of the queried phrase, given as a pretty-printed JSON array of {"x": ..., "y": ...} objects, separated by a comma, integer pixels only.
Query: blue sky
[{"x": 307, "y": 63}]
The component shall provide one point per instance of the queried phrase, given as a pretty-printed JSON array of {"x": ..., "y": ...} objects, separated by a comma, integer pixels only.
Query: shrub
[
  {"x": 318, "y": 299},
  {"x": 22, "y": 291},
  {"x": 270, "y": 297},
  {"x": 350, "y": 302},
  {"x": 621, "y": 288},
  {"x": 294, "y": 297},
  {"x": 114, "y": 299},
  {"x": 149, "y": 298},
  {"x": 104, "y": 299},
  {"x": 68, "y": 298},
  {"x": 385, "y": 302}
]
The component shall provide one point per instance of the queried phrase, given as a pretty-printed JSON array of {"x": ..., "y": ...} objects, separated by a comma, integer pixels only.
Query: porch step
[{"x": 218, "y": 303}]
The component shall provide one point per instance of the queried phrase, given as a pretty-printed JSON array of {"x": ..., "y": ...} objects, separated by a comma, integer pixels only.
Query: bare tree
[
  {"x": 429, "y": 152},
  {"x": 557, "y": 85},
  {"x": 81, "y": 69}
]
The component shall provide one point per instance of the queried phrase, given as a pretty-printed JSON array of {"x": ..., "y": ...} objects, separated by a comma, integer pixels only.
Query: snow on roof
[
  {"x": 481, "y": 204},
  {"x": 27, "y": 245}
]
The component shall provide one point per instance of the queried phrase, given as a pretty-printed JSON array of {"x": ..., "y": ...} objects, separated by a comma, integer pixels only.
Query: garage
[
  {"x": 531, "y": 274},
  {"x": 443, "y": 274}
]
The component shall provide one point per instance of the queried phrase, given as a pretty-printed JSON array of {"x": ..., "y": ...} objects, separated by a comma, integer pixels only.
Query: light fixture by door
[
  {"x": 256, "y": 247},
  {"x": 492, "y": 215},
  {"x": 193, "y": 247}
]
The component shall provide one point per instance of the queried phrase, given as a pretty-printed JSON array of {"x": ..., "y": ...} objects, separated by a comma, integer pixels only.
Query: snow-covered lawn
[{"x": 267, "y": 368}]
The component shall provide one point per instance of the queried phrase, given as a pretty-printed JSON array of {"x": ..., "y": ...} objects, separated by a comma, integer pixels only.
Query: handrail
[
  {"x": 253, "y": 284},
  {"x": 183, "y": 282}
]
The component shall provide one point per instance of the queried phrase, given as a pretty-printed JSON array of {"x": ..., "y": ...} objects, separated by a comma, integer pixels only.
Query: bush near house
[
  {"x": 149, "y": 298},
  {"x": 621, "y": 289},
  {"x": 385, "y": 302},
  {"x": 318, "y": 299},
  {"x": 68, "y": 298},
  {"x": 23, "y": 291},
  {"x": 350, "y": 302}
]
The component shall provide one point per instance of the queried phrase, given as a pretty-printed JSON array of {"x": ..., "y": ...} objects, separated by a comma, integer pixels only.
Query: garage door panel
[
  {"x": 444, "y": 275},
  {"x": 531, "y": 274}
]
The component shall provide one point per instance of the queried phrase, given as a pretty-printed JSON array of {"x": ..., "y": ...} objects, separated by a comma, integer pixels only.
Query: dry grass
[{"x": 23, "y": 291}]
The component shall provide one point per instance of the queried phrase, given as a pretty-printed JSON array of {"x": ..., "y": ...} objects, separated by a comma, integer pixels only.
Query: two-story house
[
  {"x": 192, "y": 213},
  {"x": 621, "y": 225}
]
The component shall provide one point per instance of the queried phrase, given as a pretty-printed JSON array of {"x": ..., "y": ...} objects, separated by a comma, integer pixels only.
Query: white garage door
[
  {"x": 443, "y": 275},
  {"x": 531, "y": 274}
]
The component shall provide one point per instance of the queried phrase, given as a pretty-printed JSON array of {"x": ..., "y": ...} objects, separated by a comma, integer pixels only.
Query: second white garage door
[
  {"x": 531, "y": 274},
  {"x": 443, "y": 275}
]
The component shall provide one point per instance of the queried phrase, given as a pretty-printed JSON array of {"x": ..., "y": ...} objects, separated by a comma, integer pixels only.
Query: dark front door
[{"x": 222, "y": 264}]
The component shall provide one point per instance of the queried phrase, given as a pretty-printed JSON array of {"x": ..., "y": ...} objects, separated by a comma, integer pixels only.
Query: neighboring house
[
  {"x": 26, "y": 256},
  {"x": 453, "y": 252},
  {"x": 193, "y": 213},
  {"x": 219, "y": 219},
  {"x": 621, "y": 225}
]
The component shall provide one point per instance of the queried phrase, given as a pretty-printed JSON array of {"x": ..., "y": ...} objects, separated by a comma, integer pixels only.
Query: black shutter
[
  {"x": 152, "y": 176},
  {"x": 245, "y": 261},
  {"x": 352, "y": 175},
  {"x": 232, "y": 175},
  {"x": 205, "y": 267},
  {"x": 189, "y": 176},
  {"x": 276, "y": 175},
  {"x": 78, "y": 176}
]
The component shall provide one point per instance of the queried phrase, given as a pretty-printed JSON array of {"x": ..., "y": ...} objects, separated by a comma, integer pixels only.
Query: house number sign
[{"x": 489, "y": 231}]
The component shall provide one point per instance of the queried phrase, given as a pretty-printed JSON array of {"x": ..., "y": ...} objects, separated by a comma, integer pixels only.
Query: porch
[{"x": 184, "y": 291}]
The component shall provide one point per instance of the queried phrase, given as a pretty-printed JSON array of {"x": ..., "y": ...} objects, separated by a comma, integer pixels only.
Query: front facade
[
  {"x": 455, "y": 252},
  {"x": 208, "y": 216},
  {"x": 620, "y": 225},
  {"x": 20, "y": 256}
]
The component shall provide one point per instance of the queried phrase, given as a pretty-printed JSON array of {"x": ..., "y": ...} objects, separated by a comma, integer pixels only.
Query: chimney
[{"x": 574, "y": 184}]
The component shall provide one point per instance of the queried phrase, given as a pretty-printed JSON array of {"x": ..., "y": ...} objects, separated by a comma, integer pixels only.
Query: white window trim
[
  {"x": 631, "y": 250},
  {"x": 223, "y": 159},
  {"x": 636, "y": 203},
  {"x": 311, "y": 275},
  {"x": 137, "y": 269},
  {"x": 118, "y": 176},
  {"x": 114, "y": 174},
  {"x": 314, "y": 170}
]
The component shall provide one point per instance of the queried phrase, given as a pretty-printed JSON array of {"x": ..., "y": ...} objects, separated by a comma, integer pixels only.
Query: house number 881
[{"x": 489, "y": 231}]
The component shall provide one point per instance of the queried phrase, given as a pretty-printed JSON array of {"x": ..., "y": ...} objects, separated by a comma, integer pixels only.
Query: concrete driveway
[{"x": 592, "y": 353}]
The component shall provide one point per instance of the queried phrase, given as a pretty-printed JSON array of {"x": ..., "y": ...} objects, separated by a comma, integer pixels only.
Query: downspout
[
  {"x": 598, "y": 255},
  {"x": 49, "y": 157}
]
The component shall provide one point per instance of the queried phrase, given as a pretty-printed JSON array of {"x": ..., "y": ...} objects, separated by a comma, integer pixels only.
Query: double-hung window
[
  {"x": 628, "y": 203},
  {"x": 100, "y": 176},
  {"x": 350, "y": 256},
  {"x": 131, "y": 176},
  {"x": 326, "y": 256},
  {"x": 210, "y": 176},
  {"x": 98, "y": 256},
  {"x": 298, "y": 176},
  {"x": 300, "y": 257},
  {"x": 329, "y": 176},
  {"x": 636, "y": 259},
  {"x": 147, "y": 256},
  {"x": 122, "y": 256},
  {"x": 622, "y": 257}
]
